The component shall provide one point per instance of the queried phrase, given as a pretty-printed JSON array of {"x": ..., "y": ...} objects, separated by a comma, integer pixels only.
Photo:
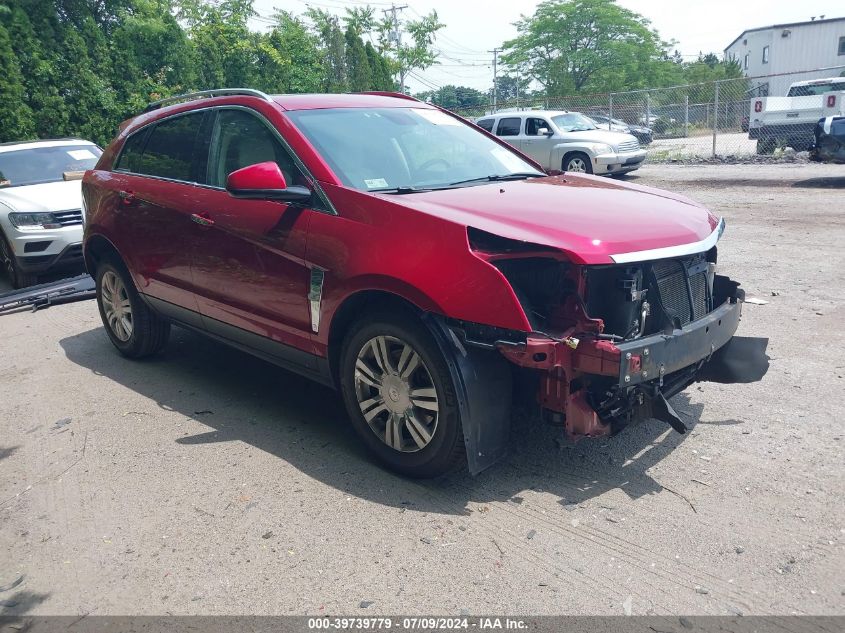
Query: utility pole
[
  {"x": 395, "y": 36},
  {"x": 495, "y": 52}
]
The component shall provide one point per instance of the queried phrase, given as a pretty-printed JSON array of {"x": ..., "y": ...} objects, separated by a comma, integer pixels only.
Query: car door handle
[
  {"x": 202, "y": 219},
  {"x": 127, "y": 197}
]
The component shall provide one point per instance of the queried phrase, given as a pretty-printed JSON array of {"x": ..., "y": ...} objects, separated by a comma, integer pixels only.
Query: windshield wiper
[
  {"x": 498, "y": 177},
  {"x": 398, "y": 190}
]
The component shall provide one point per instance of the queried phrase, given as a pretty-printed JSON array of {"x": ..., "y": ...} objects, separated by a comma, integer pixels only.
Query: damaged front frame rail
[
  {"x": 641, "y": 373},
  {"x": 79, "y": 288}
]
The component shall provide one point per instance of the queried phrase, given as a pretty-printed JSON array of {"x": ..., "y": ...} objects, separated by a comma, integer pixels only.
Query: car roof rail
[
  {"x": 202, "y": 94},
  {"x": 389, "y": 93}
]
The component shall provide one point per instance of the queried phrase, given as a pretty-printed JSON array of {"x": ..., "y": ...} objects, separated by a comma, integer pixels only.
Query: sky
[{"x": 474, "y": 27}]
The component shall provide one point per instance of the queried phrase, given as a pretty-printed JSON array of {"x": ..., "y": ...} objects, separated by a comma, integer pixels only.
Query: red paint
[
  {"x": 259, "y": 176},
  {"x": 249, "y": 264}
]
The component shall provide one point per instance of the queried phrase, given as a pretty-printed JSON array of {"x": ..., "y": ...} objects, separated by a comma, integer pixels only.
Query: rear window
[
  {"x": 37, "y": 165},
  {"x": 169, "y": 151},
  {"x": 486, "y": 124},
  {"x": 509, "y": 126},
  {"x": 816, "y": 89}
]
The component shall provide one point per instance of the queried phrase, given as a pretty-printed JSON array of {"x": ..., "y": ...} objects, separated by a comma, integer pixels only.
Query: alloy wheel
[
  {"x": 576, "y": 164},
  {"x": 396, "y": 394},
  {"x": 116, "y": 305}
]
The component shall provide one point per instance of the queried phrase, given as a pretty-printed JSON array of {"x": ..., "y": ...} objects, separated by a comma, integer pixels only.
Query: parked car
[
  {"x": 391, "y": 249},
  {"x": 829, "y": 140},
  {"x": 643, "y": 134},
  {"x": 566, "y": 140},
  {"x": 40, "y": 206}
]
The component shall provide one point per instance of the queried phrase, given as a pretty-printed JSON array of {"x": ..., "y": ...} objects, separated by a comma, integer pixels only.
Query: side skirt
[{"x": 300, "y": 362}]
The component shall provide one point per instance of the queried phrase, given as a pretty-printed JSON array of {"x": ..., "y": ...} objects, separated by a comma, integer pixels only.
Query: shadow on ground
[
  {"x": 7, "y": 452},
  {"x": 21, "y": 602},
  {"x": 821, "y": 183},
  {"x": 243, "y": 398}
]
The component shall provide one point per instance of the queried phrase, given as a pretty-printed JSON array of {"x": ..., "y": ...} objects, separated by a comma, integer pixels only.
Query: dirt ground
[{"x": 208, "y": 482}]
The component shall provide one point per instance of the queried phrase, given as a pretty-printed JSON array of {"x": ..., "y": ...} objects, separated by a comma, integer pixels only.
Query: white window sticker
[
  {"x": 375, "y": 183},
  {"x": 81, "y": 154},
  {"x": 437, "y": 117}
]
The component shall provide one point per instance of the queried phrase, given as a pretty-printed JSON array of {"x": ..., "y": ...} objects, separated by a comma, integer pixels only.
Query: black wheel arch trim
[{"x": 483, "y": 385}]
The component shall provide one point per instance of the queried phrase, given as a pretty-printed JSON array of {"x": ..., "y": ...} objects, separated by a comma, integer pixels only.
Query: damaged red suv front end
[{"x": 621, "y": 339}]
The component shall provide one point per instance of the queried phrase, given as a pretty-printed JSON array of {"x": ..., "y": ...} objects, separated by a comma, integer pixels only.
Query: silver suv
[
  {"x": 566, "y": 140},
  {"x": 41, "y": 206}
]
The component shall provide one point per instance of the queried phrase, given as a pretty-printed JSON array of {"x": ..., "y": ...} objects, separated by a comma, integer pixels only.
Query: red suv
[{"x": 402, "y": 254}]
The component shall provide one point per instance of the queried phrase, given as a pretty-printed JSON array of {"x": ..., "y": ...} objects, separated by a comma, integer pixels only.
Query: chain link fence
[{"x": 728, "y": 118}]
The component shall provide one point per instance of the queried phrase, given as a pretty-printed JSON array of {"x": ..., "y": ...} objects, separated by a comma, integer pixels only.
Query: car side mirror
[
  {"x": 544, "y": 131},
  {"x": 264, "y": 181}
]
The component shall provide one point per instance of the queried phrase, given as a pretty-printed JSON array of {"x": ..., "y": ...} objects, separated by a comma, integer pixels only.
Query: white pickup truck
[{"x": 790, "y": 120}]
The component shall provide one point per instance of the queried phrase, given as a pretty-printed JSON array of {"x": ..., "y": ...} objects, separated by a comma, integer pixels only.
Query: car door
[
  {"x": 154, "y": 180},
  {"x": 249, "y": 266},
  {"x": 509, "y": 129},
  {"x": 536, "y": 145}
]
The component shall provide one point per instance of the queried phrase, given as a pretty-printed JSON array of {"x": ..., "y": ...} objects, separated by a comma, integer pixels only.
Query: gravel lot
[
  {"x": 208, "y": 482},
  {"x": 727, "y": 144}
]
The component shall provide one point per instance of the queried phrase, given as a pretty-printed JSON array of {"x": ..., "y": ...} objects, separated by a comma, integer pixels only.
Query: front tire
[
  {"x": 133, "y": 328},
  {"x": 17, "y": 277},
  {"x": 399, "y": 395},
  {"x": 578, "y": 162}
]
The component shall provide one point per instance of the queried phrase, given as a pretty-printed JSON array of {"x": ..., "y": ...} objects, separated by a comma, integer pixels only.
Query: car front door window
[{"x": 249, "y": 259}]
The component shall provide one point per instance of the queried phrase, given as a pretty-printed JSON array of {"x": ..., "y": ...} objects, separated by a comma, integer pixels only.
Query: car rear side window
[
  {"x": 242, "y": 139},
  {"x": 509, "y": 127},
  {"x": 170, "y": 149},
  {"x": 131, "y": 154},
  {"x": 486, "y": 124}
]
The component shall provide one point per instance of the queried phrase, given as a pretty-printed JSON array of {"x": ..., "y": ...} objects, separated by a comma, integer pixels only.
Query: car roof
[
  {"x": 354, "y": 100},
  {"x": 526, "y": 113},
  {"x": 47, "y": 142}
]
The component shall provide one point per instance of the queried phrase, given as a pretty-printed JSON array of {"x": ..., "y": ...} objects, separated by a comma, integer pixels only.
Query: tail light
[
  {"x": 758, "y": 106},
  {"x": 831, "y": 101}
]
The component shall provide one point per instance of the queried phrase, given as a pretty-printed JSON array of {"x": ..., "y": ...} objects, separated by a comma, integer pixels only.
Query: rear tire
[
  {"x": 578, "y": 162},
  {"x": 133, "y": 328},
  {"x": 17, "y": 277},
  {"x": 399, "y": 395}
]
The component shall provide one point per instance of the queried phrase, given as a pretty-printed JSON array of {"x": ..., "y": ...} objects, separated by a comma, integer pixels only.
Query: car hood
[
  {"x": 591, "y": 219},
  {"x": 599, "y": 136},
  {"x": 48, "y": 196}
]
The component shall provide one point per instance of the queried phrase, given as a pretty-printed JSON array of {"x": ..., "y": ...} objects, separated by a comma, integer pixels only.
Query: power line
[
  {"x": 395, "y": 36},
  {"x": 495, "y": 52}
]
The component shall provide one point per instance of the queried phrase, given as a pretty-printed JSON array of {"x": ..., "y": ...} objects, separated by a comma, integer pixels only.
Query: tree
[
  {"x": 224, "y": 49},
  {"x": 16, "y": 116},
  {"x": 587, "y": 45},
  {"x": 382, "y": 72},
  {"x": 288, "y": 58},
  {"x": 454, "y": 97},
  {"x": 510, "y": 88},
  {"x": 420, "y": 53},
  {"x": 357, "y": 64}
]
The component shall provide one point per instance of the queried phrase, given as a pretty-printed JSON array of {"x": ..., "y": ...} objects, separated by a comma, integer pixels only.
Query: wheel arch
[
  {"x": 96, "y": 249},
  {"x": 360, "y": 302},
  {"x": 567, "y": 154}
]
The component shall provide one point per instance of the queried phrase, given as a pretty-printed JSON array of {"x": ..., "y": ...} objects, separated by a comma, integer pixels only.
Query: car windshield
[
  {"x": 36, "y": 165},
  {"x": 573, "y": 122},
  {"x": 406, "y": 149}
]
